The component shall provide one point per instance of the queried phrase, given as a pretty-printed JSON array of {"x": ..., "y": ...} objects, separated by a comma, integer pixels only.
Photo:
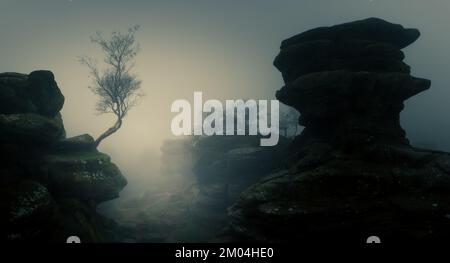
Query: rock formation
[
  {"x": 221, "y": 167},
  {"x": 177, "y": 160},
  {"x": 226, "y": 165},
  {"x": 50, "y": 185},
  {"x": 353, "y": 173}
]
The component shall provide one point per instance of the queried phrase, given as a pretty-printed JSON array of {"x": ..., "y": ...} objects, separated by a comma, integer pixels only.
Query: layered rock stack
[
  {"x": 353, "y": 173},
  {"x": 50, "y": 185},
  {"x": 349, "y": 81}
]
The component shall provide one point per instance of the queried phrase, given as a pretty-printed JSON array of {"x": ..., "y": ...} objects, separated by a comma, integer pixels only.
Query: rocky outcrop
[
  {"x": 50, "y": 185},
  {"x": 177, "y": 160},
  {"x": 224, "y": 166},
  {"x": 353, "y": 172},
  {"x": 34, "y": 93}
]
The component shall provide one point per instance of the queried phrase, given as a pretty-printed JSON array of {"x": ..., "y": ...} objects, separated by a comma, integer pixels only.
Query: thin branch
[{"x": 117, "y": 89}]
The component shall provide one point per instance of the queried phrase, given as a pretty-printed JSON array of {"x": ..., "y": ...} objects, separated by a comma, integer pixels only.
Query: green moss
[
  {"x": 80, "y": 156},
  {"x": 83, "y": 174},
  {"x": 29, "y": 197},
  {"x": 30, "y": 127}
]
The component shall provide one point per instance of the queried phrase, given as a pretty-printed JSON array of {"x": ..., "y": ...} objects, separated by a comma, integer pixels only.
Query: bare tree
[{"x": 117, "y": 89}]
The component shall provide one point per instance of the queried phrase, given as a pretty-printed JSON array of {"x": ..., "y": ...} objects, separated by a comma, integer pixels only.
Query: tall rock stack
[
  {"x": 353, "y": 173},
  {"x": 50, "y": 185},
  {"x": 349, "y": 81}
]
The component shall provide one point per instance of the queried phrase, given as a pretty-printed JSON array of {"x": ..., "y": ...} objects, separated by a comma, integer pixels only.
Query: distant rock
[
  {"x": 224, "y": 166},
  {"x": 177, "y": 151},
  {"x": 232, "y": 163}
]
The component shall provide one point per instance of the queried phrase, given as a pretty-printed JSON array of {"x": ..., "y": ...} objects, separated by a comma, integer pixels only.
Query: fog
[{"x": 223, "y": 48}]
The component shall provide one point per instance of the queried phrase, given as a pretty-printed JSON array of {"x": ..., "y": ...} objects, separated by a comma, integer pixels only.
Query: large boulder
[
  {"x": 13, "y": 96},
  {"x": 352, "y": 107},
  {"x": 373, "y": 29},
  {"x": 327, "y": 55},
  {"x": 223, "y": 167},
  {"x": 77, "y": 143},
  {"x": 85, "y": 175},
  {"x": 350, "y": 198},
  {"x": 50, "y": 186},
  {"x": 33, "y": 93},
  {"x": 30, "y": 128},
  {"x": 367, "y": 45},
  {"x": 352, "y": 171}
]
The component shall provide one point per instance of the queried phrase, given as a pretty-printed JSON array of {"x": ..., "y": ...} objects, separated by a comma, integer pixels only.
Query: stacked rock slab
[
  {"x": 353, "y": 173},
  {"x": 50, "y": 185}
]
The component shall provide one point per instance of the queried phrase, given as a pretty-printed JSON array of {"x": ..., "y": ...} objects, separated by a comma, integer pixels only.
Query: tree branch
[{"x": 117, "y": 89}]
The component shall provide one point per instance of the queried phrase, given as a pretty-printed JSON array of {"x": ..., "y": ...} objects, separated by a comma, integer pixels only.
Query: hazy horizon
[{"x": 224, "y": 49}]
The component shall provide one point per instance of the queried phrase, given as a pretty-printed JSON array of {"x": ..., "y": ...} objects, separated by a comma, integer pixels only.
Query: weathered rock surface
[
  {"x": 373, "y": 29},
  {"x": 226, "y": 165},
  {"x": 30, "y": 127},
  {"x": 26, "y": 209},
  {"x": 76, "y": 143},
  {"x": 84, "y": 176},
  {"x": 33, "y": 93},
  {"x": 50, "y": 185},
  {"x": 366, "y": 45},
  {"x": 352, "y": 172},
  {"x": 359, "y": 107},
  {"x": 327, "y": 55},
  {"x": 223, "y": 167}
]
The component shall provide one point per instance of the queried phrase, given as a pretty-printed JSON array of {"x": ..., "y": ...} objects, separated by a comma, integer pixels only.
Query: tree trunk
[{"x": 109, "y": 131}]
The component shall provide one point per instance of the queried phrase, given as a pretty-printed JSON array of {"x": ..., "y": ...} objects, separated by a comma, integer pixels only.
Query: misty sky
[{"x": 223, "y": 48}]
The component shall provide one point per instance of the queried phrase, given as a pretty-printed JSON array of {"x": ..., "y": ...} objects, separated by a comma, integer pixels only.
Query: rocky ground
[{"x": 200, "y": 178}]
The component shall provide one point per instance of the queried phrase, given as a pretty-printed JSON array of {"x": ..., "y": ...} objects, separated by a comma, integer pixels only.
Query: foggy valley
[{"x": 179, "y": 188}]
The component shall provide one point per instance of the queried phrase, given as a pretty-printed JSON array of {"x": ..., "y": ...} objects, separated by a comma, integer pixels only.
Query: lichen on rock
[
  {"x": 50, "y": 184},
  {"x": 352, "y": 171}
]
